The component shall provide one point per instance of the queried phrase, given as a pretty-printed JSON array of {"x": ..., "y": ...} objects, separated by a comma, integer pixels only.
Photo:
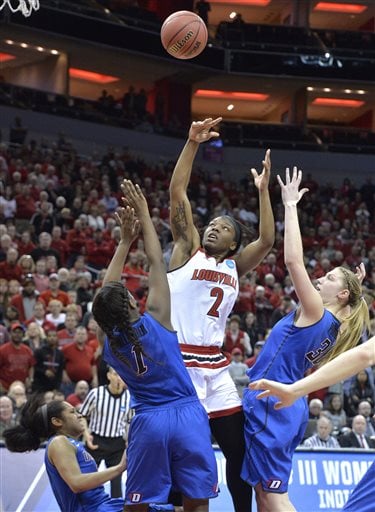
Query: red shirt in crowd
[
  {"x": 79, "y": 363},
  {"x": 8, "y": 271},
  {"x": 15, "y": 363}
]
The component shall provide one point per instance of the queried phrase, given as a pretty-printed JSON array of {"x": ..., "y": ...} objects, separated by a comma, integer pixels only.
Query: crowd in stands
[{"x": 58, "y": 233}]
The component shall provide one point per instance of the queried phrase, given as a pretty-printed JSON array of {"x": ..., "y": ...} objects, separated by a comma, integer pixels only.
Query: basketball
[{"x": 184, "y": 35}]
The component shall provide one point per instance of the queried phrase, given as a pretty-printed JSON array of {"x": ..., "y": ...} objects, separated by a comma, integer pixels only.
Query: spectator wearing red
[
  {"x": 26, "y": 206},
  {"x": 133, "y": 272},
  {"x": 39, "y": 317},
  {"x": 245, "y": 298},
  {"x": 79, "y": 361},
  {"x": 76, "y": 241},
  {"x": 10, "y": 269},
  {"x": 54, "y": 292},
  {"x": 59, "y": 244},
  {"x": 67, "y": 333},
  {"x": 16, "y": 359},
  {"x": 270, "y": 266},
  {"x": 236, "y": 337},
  {"x": 26, "y": 300},
  {"x": 257, "y": 348},
  {"x": 25, "y": 244},
  {"x": 77, "y": 398},
  {"x": 40, "y": 275},
  {"x": 99, "y": 251}
]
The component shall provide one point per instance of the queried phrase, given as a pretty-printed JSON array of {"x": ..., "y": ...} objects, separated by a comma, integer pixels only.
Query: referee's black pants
[{"x": 110, "y": 450}]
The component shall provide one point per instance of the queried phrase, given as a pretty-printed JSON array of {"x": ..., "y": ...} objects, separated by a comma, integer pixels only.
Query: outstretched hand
[
  {"x": 360, "y": 272},
  {"x": 133, "y": 197},
  {"x": 273, "y": 388},
  {"x": 262, "y": 180},
  {"x": 129, "y": 224},
  {"x": 200, "y": 131},
  {"x": 290, "y": 192}
]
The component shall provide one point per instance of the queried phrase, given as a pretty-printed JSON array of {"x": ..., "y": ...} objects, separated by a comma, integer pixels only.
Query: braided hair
[
  {"x": 111, "y": 311},
  {"x": 35, "y": 425}
]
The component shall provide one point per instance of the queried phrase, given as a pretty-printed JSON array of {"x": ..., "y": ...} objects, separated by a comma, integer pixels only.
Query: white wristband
[{"x": 291, "y": 203}]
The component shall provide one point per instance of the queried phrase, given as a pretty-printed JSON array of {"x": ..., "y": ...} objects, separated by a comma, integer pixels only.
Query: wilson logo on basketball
[{"x": 181, "y": 43}]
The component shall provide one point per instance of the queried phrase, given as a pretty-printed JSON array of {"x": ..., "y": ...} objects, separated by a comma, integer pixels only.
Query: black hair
[
  {"x": 238, "y": 227},
  {"x": 35, "y": 425},
  {"x": 111, "y": 311}
]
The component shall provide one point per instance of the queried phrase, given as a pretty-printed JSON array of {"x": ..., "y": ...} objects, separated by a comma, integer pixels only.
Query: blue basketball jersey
[
  {"x": 94, "y": 500},
  {"x": 159, "y": 375},
  {"x": 290, "y": 350},
  {"x": 272, "y": 436},
  {"x": 362, "y": 498}
]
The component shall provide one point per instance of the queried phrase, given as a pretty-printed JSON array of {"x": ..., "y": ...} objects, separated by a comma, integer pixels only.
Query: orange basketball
[{"x": 184, "y": 35}]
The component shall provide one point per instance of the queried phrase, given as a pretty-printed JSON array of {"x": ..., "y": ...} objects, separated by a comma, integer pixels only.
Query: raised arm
[
  {"x": 343, "y": 366},
  {"x": 130, "y": 229},
  {"x": 158, "y": 299},
  {"x": 310, "y": 302},
  {"x": 252, "y": 255},
  {"x": 62, "y": 454},
  {"x": 185, "y": 235}
]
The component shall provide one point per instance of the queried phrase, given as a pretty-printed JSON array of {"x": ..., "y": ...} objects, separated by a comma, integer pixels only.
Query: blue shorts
[
  {"x": 271, "y": 438},
  {"x": 170, "y": 448},
  {"x": 362, "y": 499}
]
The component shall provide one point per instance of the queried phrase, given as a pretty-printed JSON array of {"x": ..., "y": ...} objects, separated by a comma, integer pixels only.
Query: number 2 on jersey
[{"x": 214, "y": 309}]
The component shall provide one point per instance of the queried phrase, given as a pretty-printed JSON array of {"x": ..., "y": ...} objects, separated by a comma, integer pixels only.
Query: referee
[{"x": 108, "y": 410}]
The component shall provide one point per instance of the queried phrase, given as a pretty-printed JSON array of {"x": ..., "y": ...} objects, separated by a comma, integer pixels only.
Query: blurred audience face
[
  {"x": 17, "y": 392},
  {"x": 364, "y": 408},
  {"x": 359, "y": 425},
  {"x": 6, "y": 409},
  {"x": 81, "y": 389},
  {"x": 324, "y": 427}
]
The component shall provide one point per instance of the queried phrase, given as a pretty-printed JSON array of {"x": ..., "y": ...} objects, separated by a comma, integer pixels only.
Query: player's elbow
[
  {"x": 76, "y": 487},
  {"x": 367, "y": 353}
]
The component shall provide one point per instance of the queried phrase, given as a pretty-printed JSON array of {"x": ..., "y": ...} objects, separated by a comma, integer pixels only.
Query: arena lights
[
  {"x": 337, "y": 102},
  {"x": 230, "y": 95},
  {"x": 6, "y": 57},
  {"x": 10, "y": 42},
  {"x": 343, "y": 8},
  {"x": 91, "y": 76}
]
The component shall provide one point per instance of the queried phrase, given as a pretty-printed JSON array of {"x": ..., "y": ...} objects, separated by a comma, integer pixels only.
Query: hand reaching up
[{"x": 200, "y": 131}]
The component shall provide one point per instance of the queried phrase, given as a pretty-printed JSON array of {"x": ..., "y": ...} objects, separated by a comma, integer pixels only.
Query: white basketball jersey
[{"x": 203, "y": 294}]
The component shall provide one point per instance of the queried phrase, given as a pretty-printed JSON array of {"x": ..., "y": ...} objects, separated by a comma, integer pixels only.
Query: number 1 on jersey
[{"x": 138, "y": 356}]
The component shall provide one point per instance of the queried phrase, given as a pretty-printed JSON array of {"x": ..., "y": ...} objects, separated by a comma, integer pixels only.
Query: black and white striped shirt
[
  {"x": 108, "y": 413},
  {"x": 316, "y": 442}
]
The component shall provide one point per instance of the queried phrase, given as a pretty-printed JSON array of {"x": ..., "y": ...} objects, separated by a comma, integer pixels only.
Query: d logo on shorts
[
  {"x": 274, "y": 484},
  {"x": 135, "y": 497}
]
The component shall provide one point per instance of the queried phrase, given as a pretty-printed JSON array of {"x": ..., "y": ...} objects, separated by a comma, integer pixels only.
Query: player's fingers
[
  {"x": 281, "y": 183},
  {"x": 263, "y": 394}
]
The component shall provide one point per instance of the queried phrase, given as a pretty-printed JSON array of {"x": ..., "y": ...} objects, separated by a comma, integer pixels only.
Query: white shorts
[{"x": 208, "y": 368}]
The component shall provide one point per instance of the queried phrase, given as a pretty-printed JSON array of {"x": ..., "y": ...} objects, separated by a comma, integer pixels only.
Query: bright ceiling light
[
  {"x": 310, "y": 88},
  {"x": 337, "y": 102},
  {"x": 327, "y": 89},
  {"x": 230, "y": 95},
  {"x": 230, "y": 107},
  {"x": 91, "y": 76},
  {"x": 342, "y": 8}
]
